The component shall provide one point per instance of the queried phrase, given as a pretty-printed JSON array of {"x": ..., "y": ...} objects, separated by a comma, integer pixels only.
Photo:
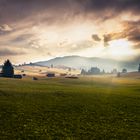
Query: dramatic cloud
[
  {"x": 41, "y": 29},
  {"x": 113, "y": 4},
  {"x": 80, "y": 46},
  {"x": 113, "y": 36},
  {"x": 22, "y": 38},
  {"x": 10, "y": 52},
  {"x": 131, "y": 32},
  {"x": 5, "y": 28},
  {"x": 63, "y": 9},
  {"x": 96, "y": 37}
]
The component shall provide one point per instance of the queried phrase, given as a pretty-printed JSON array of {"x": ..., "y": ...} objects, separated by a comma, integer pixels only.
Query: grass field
[{"x": 58, "y": 108}]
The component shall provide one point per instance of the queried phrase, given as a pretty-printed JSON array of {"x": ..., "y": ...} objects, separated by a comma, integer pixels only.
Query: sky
[{"x": 36, "y": 30}]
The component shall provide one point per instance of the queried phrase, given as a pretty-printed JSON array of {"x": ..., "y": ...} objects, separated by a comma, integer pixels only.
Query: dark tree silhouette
[
  {"x": 94, "y": 70},
  {"x": 83, "y": 72},
  {"x": 124, "y": 70},
  {"x": 118, "y": 74},
  {"x": 7, "y": 69},
  {"x": 103, "y": 72},
  {"x": 139, "y": 68}
]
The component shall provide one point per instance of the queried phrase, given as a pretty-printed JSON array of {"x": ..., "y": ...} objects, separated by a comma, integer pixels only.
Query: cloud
[
  {"x": 10, "y": 52},
  {"x": 50, "y": 10},
  {"x": 95, "y": 37},
  {"x": 79, "y": 46},
  {"x": 113, "y": 36},
  {"x": 22, "y": 38},
  {"x": 131, "y": 32},
  {"x": 5, "y": 28},
  {"x": 117, "y": 6},
  {"x": 19, "y": 20}
]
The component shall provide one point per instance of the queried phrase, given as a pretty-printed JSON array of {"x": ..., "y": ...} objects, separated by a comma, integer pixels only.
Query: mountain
[{"x": 79, "y": 62}]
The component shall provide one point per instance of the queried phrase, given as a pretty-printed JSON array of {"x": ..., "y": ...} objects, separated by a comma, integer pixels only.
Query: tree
[
  {"x": 103, "y": 72},
  {"x": 139, "y": 68},
  {"x": 94, "y": 70},
  {"x": 7, "y": 69},
  {"x": 114, "y": 71},
  {"x": 83, "y": 72},
  {"x": 118, "y": 74},
  {"x": 124, "y": 70}
]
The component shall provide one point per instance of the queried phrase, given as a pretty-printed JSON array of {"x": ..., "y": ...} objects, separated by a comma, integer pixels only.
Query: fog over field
[{"x": 69, "y": 69}]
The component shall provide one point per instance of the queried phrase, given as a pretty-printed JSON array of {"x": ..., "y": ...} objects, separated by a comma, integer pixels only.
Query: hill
[
  {"x": 79, "y": 62},
  {"x": 34, "y": 70},
  {"x": 132, "y": 75}
]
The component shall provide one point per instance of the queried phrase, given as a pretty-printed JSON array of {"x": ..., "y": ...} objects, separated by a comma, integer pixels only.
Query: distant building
[
  {"x": 63, "y": 74},
  {"x": 50, "y": 75},
  {"x": 18, "y": 76},
  {"x": 35, "y": 78},
  {"x": 72, "y": 77}
]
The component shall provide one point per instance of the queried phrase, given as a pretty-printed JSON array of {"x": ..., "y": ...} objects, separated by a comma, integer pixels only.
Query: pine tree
[
  {"x": 139, "y": 68},
  {"x": 83, "y": 72},
  {"x": 7, "y": 69}
]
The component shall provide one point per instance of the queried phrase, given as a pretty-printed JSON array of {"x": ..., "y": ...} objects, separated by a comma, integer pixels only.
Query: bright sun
[
  {"x": 120, "y": 48},
  {"x": 116, "y": 49}
]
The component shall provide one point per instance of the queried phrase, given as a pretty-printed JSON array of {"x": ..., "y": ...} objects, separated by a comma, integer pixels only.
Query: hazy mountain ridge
[{"x": 79, "y": 62}]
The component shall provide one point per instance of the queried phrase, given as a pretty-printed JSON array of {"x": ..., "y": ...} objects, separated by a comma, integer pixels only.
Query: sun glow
[
  {"x": 79, "y": 33},
  {"x": 72, "y": 40},
  {"x": 116, "y": 49},
  {"x": 48, "y": 36},
  {"x": 120, "y": 48}
]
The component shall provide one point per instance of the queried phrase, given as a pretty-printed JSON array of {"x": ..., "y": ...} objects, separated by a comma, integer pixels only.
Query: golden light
[
  {"x": 48, "y": 36},
  {"x": 73, "y": 33},
  {"x": 78, "y": 32},
  {"x": 120, "y": 48}
]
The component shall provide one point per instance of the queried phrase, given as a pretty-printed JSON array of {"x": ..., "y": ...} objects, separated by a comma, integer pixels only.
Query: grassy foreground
[{"x": 71, "y": 109}]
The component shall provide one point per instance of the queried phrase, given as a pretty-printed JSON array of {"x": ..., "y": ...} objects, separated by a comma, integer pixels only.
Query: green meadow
[{"x": 100, "y": 108}]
